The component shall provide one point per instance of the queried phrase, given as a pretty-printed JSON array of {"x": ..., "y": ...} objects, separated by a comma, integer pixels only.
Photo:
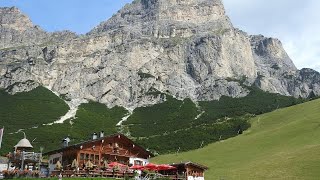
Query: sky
[{"x": 295, "y": 23}]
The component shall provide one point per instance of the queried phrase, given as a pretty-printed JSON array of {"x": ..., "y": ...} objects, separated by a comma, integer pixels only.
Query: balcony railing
[{"x": 26, "y": 156}]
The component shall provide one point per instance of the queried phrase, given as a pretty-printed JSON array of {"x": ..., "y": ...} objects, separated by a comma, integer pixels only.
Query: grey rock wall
[{"x": 186, "y": 48}]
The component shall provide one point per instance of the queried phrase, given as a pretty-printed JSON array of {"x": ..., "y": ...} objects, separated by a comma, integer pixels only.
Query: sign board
[
  {"x": 3, "y": 167},
  {"x": 195, "y": 178}
]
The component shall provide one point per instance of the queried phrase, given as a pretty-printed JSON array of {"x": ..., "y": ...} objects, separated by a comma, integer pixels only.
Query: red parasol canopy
[
  {"x": 137, "y": 167},
  {"x": 164, "y": 167},
  {"x": 113, "y": 164},
  {"x": 151, "y": 166}
]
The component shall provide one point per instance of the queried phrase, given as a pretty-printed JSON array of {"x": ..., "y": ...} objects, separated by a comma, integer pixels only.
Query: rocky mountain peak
[
  {"x": 17, "y": 29},
  {"x": 191, "y": 11},
  {"x": 185, "y": 48},
  {"x": 271, "y": 51},
  {"x": 12, "y": 17},
  {"x": 168, "y": 18}
]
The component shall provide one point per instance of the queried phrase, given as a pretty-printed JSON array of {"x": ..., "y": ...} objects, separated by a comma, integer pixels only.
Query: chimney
[
  {"x": 65, "y": 142},
  {"x": 101, "y": 134},
  {"x": 95, "y": 136}
]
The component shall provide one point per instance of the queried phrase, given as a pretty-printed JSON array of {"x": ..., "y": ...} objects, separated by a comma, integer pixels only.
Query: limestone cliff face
[
  {"x": 186, "y": 48},
  {"x": 16, "y": 29},
  {"x": 167, "y": 19}
]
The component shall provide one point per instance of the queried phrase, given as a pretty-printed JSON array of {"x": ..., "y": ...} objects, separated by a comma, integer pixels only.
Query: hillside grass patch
[
  {"x": 181, "y": 125},
  {"x": 283, "y": 144}
]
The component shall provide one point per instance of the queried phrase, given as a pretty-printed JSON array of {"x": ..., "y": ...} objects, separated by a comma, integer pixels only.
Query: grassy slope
[
  {"x": 173, "y": 125},
  {"x": 164, "y": 127},
  {"x": 27, "y": 110},
  {"x": 283, "y": 144},
  {"x": 95, "y": 117},
  {"x": 41, "y": 106},
  {"x": 91, "y": 117}
]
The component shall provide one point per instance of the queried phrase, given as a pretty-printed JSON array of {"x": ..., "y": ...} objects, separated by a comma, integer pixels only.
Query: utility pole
[
  {"x": 22, "y": 160},
  {"x": 40, "y": 158}
]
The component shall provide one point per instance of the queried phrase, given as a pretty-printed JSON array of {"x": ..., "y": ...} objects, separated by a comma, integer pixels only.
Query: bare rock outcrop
[{"x": 186, "y": 48}]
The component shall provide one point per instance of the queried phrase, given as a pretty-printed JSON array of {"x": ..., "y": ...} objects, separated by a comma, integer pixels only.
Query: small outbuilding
[
  {"x": 190, "y": 170},
  {"x": 23, "y": 157}
]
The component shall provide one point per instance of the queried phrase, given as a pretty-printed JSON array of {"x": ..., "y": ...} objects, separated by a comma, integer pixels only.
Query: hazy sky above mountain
[{"x": 296, "y": 24}]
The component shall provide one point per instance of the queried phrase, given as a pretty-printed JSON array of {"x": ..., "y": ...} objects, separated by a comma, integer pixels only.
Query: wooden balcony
[
  {"x": 25, "y": 156},
  {"x": 93, "y": 173}
]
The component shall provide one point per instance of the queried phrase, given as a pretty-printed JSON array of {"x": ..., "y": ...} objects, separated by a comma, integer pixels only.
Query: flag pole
[{"x": 1, "y": 135}]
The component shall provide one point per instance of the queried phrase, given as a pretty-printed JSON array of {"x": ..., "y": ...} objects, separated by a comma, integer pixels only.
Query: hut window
[
  {"x": 137, "y": 162},
  {"x": 81, "y": 156},
  {"x": 96, "y": 157},
  {"x": 110, "y": 144},
  {"x": 91, "y": 156}
]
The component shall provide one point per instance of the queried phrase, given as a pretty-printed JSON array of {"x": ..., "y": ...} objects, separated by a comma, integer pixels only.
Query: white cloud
[{"x": 296, "y": 24}]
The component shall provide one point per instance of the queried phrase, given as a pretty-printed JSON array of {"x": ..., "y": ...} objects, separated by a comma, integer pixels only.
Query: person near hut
[{"x": 60, "y": 176}]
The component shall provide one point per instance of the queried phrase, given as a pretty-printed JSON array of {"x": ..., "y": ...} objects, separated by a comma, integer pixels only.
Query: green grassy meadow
[
  {"x": 30, "y": 110},
  {"x": 284, "y": 144},
  {"x": 163, "y": 128},
  {"x": 170, "y": 126}
]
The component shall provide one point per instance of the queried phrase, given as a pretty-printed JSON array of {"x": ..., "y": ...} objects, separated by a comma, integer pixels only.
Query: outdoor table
[
  {"x": 107, "y": 173},
  {"x": 81, "y": 173},
  {"x": 55, "y": 173},
  {"x": 67, "y": 173},
  {"x": 94, "y": 173}
]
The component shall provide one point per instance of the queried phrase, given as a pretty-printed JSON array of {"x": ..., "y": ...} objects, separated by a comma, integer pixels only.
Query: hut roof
[
  {"x": 23, "y": 143},
  {"x": 191, "y": 164},
  {"x": 76, "y": 146}
]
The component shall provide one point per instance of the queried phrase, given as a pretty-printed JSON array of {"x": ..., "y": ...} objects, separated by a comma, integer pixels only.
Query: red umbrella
[
  {"x": 152, "y": 167},
  {"x": 164, "y": 167},
  {"x": 113, "y": 164},
  {"x": 137, "y": 167}
]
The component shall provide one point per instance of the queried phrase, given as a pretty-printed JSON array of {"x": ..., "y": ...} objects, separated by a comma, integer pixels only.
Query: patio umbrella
[
  {"x": 165, "y": 167},
  {"x": 137, "y": 167},
  {"x": 151, "y": 166},
  {"x": 74, "y": 164},
  {"x": 89, "y": 164},
  {"x": 58, "y": 165},
  {"x": 114, "y": 164},
  {"x": 105, "y": 164}
]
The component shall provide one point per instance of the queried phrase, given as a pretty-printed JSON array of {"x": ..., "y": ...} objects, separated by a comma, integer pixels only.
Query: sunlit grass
[{"x": 283, "y": 144}]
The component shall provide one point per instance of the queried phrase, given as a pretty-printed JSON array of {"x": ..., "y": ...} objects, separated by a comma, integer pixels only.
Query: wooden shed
[{"x": 190, "y": 170}]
